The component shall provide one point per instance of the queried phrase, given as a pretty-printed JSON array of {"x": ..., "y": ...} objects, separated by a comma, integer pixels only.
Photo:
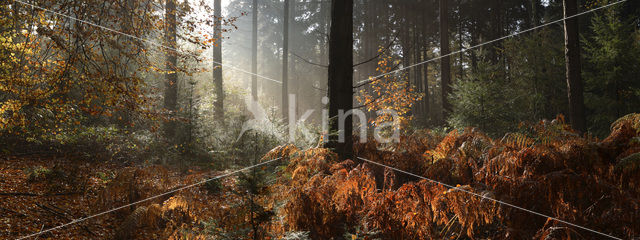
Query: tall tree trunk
[
  {"x": 285, "y": 63},
  {"x": 572, "y": 58},
  {"x": 460, "y": 41},
  {"x": 474, "y": 32},
  {"x": 17, "y": 25},
  {"x": 532, "y": 13},
  {"x": 217, "y": 67},
  {"x": 324, "y": 11},
  {"x": 127, "y": 25},
  {"x": 426, "y": 100},
  {"x": 425, "y": 55},
  {"x": 370, "y": 46},
  {"x": 445, "y": 62},
  {"x": 254, "y": 52},
  {"x": 295, "y": 84},
  {"x": 417, "y": 81},
  {"x": 171, "y": 86},
  {"x": 324, "y": 25},
  {"x": 341, "y": 75}
]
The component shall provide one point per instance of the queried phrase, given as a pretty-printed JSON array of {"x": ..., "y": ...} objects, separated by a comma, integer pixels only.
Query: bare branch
[
  {"x": 317, "y": 88},
  {"x": 309, "y": 62},
  {"x": 372, "y": 79},
  {"x": 380, "y": 53}
]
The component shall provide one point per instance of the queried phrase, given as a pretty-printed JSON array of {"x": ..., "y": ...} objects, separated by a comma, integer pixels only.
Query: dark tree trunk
[
  {"x": 369, "y": 40},
  {"x": 445, "y": 62},
  {"x": 127, "y": 25},
  {"x": 572, "y": 58},
  {"x": 171, "y": 86},
  {"x": 475, "y": 34},
  {"x": 285, "y": 63},
  {"x": 417, "y": 81},
  {"x": 460, "y": 41},
  {"x": 532, "y": 11},
  {"x": 341, "y": 75},
  {"x": 426, "y": 101},
  {"x": 425, "y": 84},
  {"x": 254, "y": 52},
  {"x": 217, "y": 67},
  {"x": 496, "y": 31},
  {"x": 17, "y": 26}
]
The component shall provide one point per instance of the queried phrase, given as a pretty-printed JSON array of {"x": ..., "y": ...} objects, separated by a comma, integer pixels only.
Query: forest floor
[
  {"x": 548, "y": 168},
  {"x": 41, "y": 191},
  {"x": 33, "y": 199}
]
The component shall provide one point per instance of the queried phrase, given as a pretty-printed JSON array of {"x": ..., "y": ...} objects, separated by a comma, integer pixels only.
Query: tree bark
[
  {"x": 217, "y": 57},
  {"x": 425, "y": 84},
  {"x": 460, "y": 41},
  {"x": 171, "y": 78},
  {"x": 341, "y": 75},
  {"x": 495, "y": 31},
  {"x": 254, "y": 52},
  {"x": 474, "y": 32},
  {"x": 445, "y": 62},
  {"x": 572, "y": 59},
  {"x": 285, "y": 63}
]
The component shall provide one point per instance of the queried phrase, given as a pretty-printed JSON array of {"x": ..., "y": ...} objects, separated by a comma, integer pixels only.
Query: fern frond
[
  {"x": 517, "y": 140},
  {"x": 634, "y": 118}
]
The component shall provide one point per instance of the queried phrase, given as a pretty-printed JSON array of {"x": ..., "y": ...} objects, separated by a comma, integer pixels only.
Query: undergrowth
[{"x": 545, "y": 167}]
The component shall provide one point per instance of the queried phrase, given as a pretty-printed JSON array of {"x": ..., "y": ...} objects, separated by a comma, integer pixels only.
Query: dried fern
[
  {"x": 517, "y": 140},
  {"x": 629, "y": 164},
  {"x": 634, "y": 118}
]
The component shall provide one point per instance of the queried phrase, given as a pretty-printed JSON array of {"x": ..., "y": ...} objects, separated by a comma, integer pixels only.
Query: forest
[{"x": 320, "y": 119}]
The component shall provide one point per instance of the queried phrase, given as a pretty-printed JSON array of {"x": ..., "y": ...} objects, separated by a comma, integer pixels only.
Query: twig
[
  {"x": 64, "y": 216},
  {"x": 308, "y": 61},
  {"x": 18, "y": 213},
  {"x": 372, "y": 79},
  {"x": 35, "y": 194},
  {"x": 380, "y": 53},
  {"x": 40, "y": 230},
  {"x": 320, "y": 88}
]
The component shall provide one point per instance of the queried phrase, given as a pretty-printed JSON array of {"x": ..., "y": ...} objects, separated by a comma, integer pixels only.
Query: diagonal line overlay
[
  {"x": 144, "y": 40},
  {"x": 149, "y": 198},
  {"x": 488, "y": 198},
  {"x": 372, "y": 78}
]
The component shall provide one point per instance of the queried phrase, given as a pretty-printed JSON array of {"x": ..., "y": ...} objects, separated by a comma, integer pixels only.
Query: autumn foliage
[
  {"x": 580, "y": 180},
  {"x": 545, "y": 168},
  {"x": 389, "y": 92}
]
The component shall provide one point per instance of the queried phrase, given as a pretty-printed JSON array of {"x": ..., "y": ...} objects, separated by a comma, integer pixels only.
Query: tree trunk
[
  {"x": 295, "y": 84},
  {"x": 425, "y": 84},
  {"x": 532, "y": 11},
  {"x": 445, "y": 62},
  {"x": 460, "y": 42},
  {"x": 217, "y": 67},
  {"x": 17, "y": 26},
  {"x": 572, "y": 58},
  {"x": 285, "y": 63},
  {"x": 171, "y": 87},
  {"x": 496, "y": 31},
  {"x": 341, "y": 75},
  {"x": 127, "y": 26},
  {"x": 254, "y": 52},
  {"x": 474, "y": 32},
  {"x": 417, "y": 81}
]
